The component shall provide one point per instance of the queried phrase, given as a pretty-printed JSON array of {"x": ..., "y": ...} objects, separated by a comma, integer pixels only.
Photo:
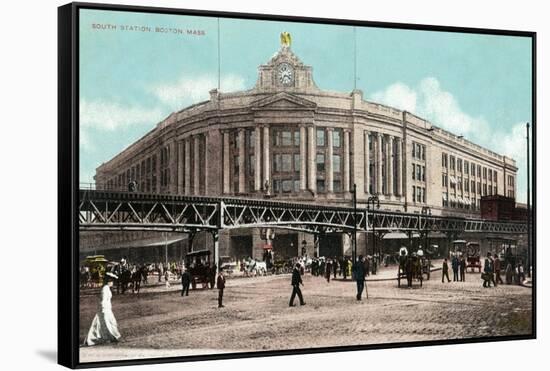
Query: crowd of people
[{"x": 492, "y": 270}]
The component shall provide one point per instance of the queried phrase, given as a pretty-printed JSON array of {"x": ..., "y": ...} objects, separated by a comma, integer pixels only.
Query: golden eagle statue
[{"x": 286, "y": 40}]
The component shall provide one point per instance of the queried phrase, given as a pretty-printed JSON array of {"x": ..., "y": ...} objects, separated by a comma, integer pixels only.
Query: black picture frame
[{"x": 68, "y": 181}]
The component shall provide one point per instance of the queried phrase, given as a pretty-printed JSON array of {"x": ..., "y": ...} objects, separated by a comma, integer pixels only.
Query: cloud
[
  {"x": 430, "y": 101},
  {"x": 111, "y": 116},
  {"x": 397, "y": 95},
  {"x": 188, "y": 90}
]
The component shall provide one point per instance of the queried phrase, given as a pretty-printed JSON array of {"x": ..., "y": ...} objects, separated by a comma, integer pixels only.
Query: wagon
[
  {"x": 410, "y": 269},
  {"x": 198, "y": 263}
]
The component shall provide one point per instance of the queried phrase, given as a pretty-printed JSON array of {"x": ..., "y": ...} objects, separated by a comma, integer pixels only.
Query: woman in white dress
[{"x": 104, "y": 328}]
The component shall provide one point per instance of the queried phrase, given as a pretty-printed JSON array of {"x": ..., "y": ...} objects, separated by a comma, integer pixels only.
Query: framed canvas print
[{"x": 242, "y": 185}]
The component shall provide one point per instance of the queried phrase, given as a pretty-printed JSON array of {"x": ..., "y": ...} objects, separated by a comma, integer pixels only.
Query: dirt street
[{"x": 159, "y": 322}]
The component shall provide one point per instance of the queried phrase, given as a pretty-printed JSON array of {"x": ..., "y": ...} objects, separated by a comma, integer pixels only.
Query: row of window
[
  {"x": 456, "y": 183},
  {"x": 460, "y": 203},
  {"x": 468, "y": 168},
  {"x": 143, "y": 173}
]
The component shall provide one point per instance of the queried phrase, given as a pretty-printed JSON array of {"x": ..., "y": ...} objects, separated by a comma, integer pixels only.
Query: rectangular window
[
  {"x": 320, "y": 162},
  {"x": 423, "y": 152},
  {"x": 479, "y": 171},
  {"x": 336, "y": 163},
  {"x": 459, "y": 165},
  {"x": 419, "y": 194},
  {"x": 473, "y": 186},
  {"x": 444, "y": 160},
  {"x": 371, "y": 142},
  {"x": 296, "y": 186},
  {"x": 297, "y": 138},
  {"x": 251, "y": 139},
  {"x": 495, "y": 177},
  {"x": 452, "y": 163},
  {"x": 423, "y": 173},
  {"x": 286, "y": 138},
  {"x": 236, "y": 165},
  {"x": 418, "y": 172},
  {"x": 251, "y": 164},
  {"x": 296, "y": 162},
  {"x": 337, "y": 185},
  {"x": 320, "y": 185},
  {"x": 479, "y": 187},
  {"x": 495, "y": 190},
  {"x": 414, "y": 172},
  {"x": 466, "y": 185},
  {"x": 484, "y": 173},
  {"x": 473, "y": 169},
  {"x": 445, "y": 199},
  {"x": 490, "y": 175},
  {"x": 466, "y": 167},
  {"x": 287, "y": 185},
  {"x": 485, "y": 190},
  {"x": 320, "y": 137},
  {"x": 414, "y": 194},
  {"x": 286, "y": 162},
  {"x": 424, "y": 195},
  {"x": 336, "y": 138}
]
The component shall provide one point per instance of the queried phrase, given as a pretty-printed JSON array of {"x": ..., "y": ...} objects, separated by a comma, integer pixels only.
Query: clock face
[{"x": 285, "y": 74}]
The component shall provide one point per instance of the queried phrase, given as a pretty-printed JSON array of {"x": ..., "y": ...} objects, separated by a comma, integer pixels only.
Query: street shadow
[{"x": 50, "y": 355}]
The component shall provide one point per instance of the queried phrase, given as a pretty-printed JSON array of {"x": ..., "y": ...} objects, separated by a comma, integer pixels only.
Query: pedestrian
[
  {"x": 497, "y": 268},
  {"x": 344, "y": 268},
  {"x": 521, "y": 273},
  {"x": 454, "y": 265},
  {"x": 185, "y": 282},
  {"x": 488, "y": 271},
  {"x": 462, "y": 267},
  {"x": 220, "y": 284},
  {"x": 334, "y": 267},
  {"x": 328, "y": 271},
  {"x": 509, "y": 273},
  {"x": 104, "y": 328},
  {"x": 358, "y": 274},
  {"x": 445, "y": 271},
  {"x": 296, "y": 281}
]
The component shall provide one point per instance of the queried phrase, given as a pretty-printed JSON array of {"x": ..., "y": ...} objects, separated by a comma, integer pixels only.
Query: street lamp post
[
  {"x": 426, "y": 211},
  {"x": 354, "y": 251},
  {"x": 375, "y": 202}
]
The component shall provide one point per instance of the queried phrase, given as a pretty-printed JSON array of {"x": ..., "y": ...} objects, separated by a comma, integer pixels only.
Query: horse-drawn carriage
[
  {"x": 198, "y": 265},
  {"x": 472, "y": 252},
  {"x": 410, "y": 268}
]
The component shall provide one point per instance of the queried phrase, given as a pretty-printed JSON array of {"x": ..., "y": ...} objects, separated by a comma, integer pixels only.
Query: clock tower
[{"x": 285, "y": 71}]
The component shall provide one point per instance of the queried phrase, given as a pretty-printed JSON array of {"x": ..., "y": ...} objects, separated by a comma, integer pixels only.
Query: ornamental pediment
[{"x": 283, "y": 100}]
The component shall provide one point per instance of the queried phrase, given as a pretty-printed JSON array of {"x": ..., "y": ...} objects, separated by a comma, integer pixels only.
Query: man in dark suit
[
  {"x": 358, "y": 273},
  {"x": 445, "y": 271},
  {"x": 462, "y": 266},
  {"x": 220, "y": 284},
  {"x": 185, "y": 282},
  {"x": 296, "y": 282}
]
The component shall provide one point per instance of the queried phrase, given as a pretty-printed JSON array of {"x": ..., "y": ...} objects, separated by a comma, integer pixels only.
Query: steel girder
[{"x": 104, "y": 210}]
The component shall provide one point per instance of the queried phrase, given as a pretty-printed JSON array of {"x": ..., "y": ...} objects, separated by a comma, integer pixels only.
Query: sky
[{"x": 137, "y": 68}]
